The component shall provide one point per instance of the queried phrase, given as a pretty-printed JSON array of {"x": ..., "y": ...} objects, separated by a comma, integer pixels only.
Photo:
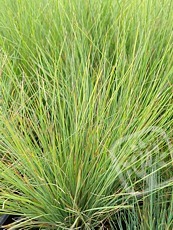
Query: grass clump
[{"x": 86, "y": 114}]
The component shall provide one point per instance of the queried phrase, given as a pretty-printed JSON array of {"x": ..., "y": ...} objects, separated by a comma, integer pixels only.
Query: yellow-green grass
[{"x": 86, "y": 117}]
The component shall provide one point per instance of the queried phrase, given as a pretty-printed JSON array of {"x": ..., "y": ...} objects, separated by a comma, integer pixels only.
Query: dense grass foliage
[{"x": 86, "y": 119}]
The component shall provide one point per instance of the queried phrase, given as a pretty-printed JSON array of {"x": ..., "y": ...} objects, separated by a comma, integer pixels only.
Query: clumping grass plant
[{"x": 86, "y": 114}]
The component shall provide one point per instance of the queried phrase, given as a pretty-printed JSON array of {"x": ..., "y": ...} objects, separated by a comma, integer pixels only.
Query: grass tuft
[{"x": 86, "y": 114}]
